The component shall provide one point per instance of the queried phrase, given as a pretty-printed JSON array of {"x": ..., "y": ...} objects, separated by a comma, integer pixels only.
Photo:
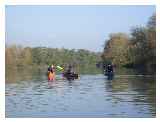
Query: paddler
[{"x": 51, "y": 73}]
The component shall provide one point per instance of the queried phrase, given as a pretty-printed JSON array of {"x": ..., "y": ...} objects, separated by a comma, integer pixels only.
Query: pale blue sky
[{"x": 70, "y": 27}]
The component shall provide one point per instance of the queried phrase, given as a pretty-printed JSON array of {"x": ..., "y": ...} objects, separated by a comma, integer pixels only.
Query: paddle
[{"x": 60, "y": 68}]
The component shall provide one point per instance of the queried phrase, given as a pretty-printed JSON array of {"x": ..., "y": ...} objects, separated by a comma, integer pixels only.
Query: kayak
[
  {"x": 110, "y": 75},
  {"x": 70, "y": 76}
]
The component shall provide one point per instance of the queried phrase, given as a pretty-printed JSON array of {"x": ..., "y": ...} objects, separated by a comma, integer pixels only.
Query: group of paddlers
[{"x": 69, "y": 74}]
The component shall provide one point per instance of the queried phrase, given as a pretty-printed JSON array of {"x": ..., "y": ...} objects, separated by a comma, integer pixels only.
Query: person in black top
[
  {"x": 51, "y": 68},
  {"x": 69, "y": 70},
  {"x": 110, "y": 68},
  {"x": 110, "y": 72}
]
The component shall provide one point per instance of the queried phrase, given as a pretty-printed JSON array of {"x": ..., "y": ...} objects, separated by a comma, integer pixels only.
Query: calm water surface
[{"x": 89, "y": 96}]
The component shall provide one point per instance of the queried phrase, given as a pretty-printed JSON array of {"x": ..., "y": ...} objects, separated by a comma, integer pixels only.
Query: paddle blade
[{"x": 60, "y": 68}]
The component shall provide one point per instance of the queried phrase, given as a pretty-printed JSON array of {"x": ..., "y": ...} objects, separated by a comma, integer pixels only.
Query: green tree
[
  {"x": 137, "y": 50},
  {"x": 115, "y": 49}
]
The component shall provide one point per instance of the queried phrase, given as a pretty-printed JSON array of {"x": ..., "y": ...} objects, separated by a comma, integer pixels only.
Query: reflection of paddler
[{"x": 10, "y": 94}]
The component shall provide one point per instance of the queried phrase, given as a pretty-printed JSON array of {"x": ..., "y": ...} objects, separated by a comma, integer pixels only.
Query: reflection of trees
[
  {"x": 11, "y": 75},
  {"x": 116, "y": 87},
  {"x": 146, "y": 92},
  {"x": 140, "y": 91},
  {"x": 15, "y": 74},
  {"x": 120, "y": 85}
]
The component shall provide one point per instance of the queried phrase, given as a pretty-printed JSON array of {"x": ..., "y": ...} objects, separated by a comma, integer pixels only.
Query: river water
[{"x": 128, "y": 95}]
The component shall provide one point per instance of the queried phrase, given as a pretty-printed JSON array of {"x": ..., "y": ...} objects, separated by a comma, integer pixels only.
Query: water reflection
[
  {"x": 25, "y": 74},
  {"x": 90, "y": 96},
  {"x": 139, "y": 91}
]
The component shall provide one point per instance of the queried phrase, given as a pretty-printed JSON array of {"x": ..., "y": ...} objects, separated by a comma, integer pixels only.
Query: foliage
[
  {"x": 116, "y": 48},
  {"x": 137, "y": 49},
  {"x": 40, "y": 57}
]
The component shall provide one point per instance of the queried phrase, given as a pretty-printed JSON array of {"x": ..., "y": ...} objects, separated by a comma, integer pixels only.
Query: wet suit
[
  {"x": 109, "y": 72},
  {"x": 109, "y": 68},
  {"x": 50, "y": 69}
]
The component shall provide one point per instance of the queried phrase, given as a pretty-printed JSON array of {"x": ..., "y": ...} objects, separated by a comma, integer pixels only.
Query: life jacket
[
  {"x": 110, "y": 68},
  {"x": 51, "y": 75}
]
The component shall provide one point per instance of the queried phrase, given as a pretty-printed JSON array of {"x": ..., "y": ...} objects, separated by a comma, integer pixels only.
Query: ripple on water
[{"x": 90, "y": 96}]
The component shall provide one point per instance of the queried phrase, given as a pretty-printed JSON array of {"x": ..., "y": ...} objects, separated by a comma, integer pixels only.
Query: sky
[{"x": 71, "y": 27}]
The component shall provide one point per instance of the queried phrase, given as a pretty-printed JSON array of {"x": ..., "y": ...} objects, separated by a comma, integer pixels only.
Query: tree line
[
  {"x": 18, "y": 57},
  {"x": 134, "y": 50}
]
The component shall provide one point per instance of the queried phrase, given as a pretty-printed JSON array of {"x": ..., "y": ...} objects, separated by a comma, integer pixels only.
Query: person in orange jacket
[{"x": 51, "y": 73}]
